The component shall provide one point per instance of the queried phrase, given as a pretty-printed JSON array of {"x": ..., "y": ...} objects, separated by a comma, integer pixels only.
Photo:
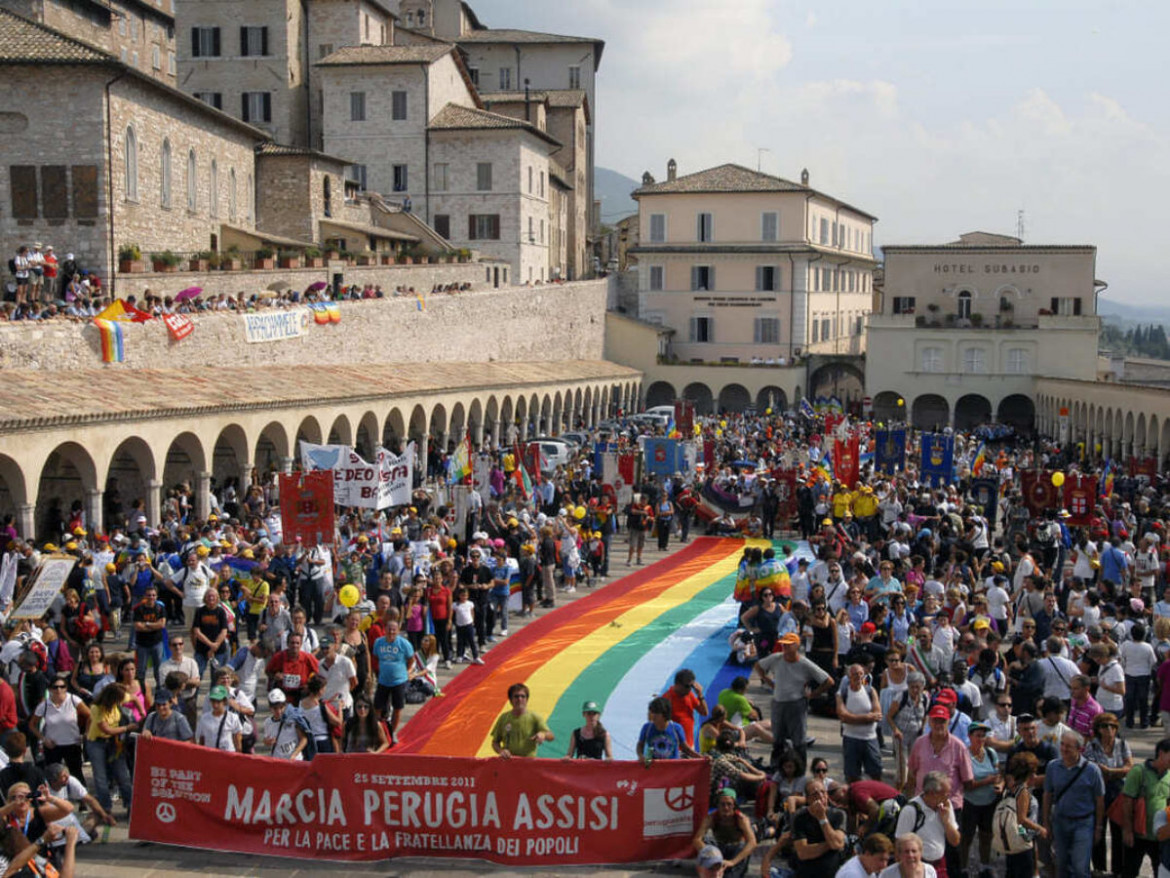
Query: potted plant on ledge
[
  {"x": 289, "y": 259},
  {"x": 201, "y": 261},
  {"x": 231, "y": 261},
  {"x": 263, "y": 258},
  {"x": 130, "y": 259},
  {"x": 367, "y": 257},
  {"x": 313, "y": 258},
  {"x": 164, "y": 261}
]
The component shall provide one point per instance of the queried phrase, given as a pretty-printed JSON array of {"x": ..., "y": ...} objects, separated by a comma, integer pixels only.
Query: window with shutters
[
  {"x": 1066, "y": 306},
  {"x": 24, "y": 191},
  {"x": 505, "y": 78},
  {"x": 964, "y": 305},
  {"x": 531, "y": 179},
  {"x": 483, "y": 226},
  {"x": 473, "y": 75},
  {"x": 816, "y": 330},
  {"x": 904, "y": 304},
  {"x": 824, "y": 231},
  {"x": 172, "y": 64},
  {"x": 192, "y": 183},
  {"x": 85, "y": 191},
  {"x": 932, "y": 359},
  {"x": 256, "y": 106},
  {"x": 767, "y": 330},
  {"x": 657, "y": 277},
  {"x": 531, "y": 232},
  {"x": 401, "y": 182},
  {"x": 1018, "y": 361},
  {"x": 574, "y": 77},
  {"x": 705, "y": 228},
  {"x": 205, "y": 42},
  {"x": 658, "y": 228},
  {"x": 398, "y": 106},
  {"x": 253, "y": 41},
  {"x": 770, "y": 226},
  {"x": 156, "y": 58},
  {"x": 211, "y": 98},
  {"x": 357, "y": 174},
  {"x": 357, "y": 106},
  {"x": 765, "y": 277},
  {"x": 974, "y": 360},
  {"x": 439, "y": 177},
  {"x": 702, "y": 277},
  {"x": 483, "y": 176},
  {"x": 443, "y": 225},
  {"x": 825, "y": 324},
  {"x": 164, "y": 181},
  {"x": 55, "y": 191},
  {"x": 702, "y": 330},
  {"x": 130, "y": 165}
]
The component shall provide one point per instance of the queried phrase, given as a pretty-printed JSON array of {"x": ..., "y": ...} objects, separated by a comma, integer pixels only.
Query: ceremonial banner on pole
[
  {"x": 847, "y": 460},
  {"x": 1080, "y": 496},
  {"x": 985, "y": 493},
  {"x": 786, "y": 492},
  {"x": 684, "y": 417},
  {"x": 889, "y": 451},
  {"x": 386, "y": 482},
  {"x": 661, "y": 456},
  {"x": 708, "y": 453},
  {"x": 1039, "y": 492},
  {"x": 363, "y": 807},
  {"x": 306, "y": 507},
  {"x": 938, "y": 458},
  {"x": 627, "y": 473}
]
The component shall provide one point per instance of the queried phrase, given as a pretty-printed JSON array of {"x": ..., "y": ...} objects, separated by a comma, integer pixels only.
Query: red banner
[
  {"x": 1039, "y": 492},
  {"x": 786, "y": 492},
  {"x": 1142, "y": 466},
  {"x": 832, "y": 419},
  {"x": 530, "y": 812},
  {"x": 846, "y": 461},
  {"x": 709, "y": 454},
  {"x": 306, "y": 507},
  {"x": 627, "y": 461},
  {"x": 1080, "y": 496},
  {"x": 684, "y": 418},
  {"x": 178, "y": 325}
]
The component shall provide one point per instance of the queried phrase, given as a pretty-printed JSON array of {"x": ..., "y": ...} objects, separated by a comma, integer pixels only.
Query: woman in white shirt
[
  {"x": 1139, "y": 660},
  {"x": 56, "y": 723},
  {"x": 1110, "y": 679}
]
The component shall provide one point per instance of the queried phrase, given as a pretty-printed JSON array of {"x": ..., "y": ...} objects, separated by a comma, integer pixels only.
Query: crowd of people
[{"x": 985, "y": 666}]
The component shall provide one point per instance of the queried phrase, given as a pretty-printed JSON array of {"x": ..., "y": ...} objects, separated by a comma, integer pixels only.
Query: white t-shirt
[
  {"x": 286, "y": 737},
  {"x": 337, "y": 683},
  {"x": 208, "y": 734},
  {"x": 464, "y": 613},
  {"x": 195, "y": 581},
  {"x": 1138, "y": 659},
  {"x": 997, "y": 603},
  {"x": 1112, "y": 673},
  {"x": 932, "y": 832},
  {"x": 854, "y": 869},
  {"x": 60, "y": 723},
  {"x": 857, "y": 702},
  {"x": 895, "y": 871},
  {"x": 1058, "y": 672}
]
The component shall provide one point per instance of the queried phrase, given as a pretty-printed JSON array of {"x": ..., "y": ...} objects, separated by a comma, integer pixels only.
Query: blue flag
[
  {"x": 661, "y": 456},
  {"x": 889, "y": 451},
  {"x": 938, "y": 459},
  {"x": 806, "y": 408}
]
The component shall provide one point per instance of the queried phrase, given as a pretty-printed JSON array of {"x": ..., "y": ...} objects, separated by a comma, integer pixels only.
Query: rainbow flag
[
  {"x": 420, "y": 302},
  {"x": 326, "y": 312},
  {"x": 1107, "y": 479},
  {"x": 461, "y": 461},
  {"x": 112, "y": 343},
  {"x": 521, "y": 474},
  {"x": 979, "y": 459}
]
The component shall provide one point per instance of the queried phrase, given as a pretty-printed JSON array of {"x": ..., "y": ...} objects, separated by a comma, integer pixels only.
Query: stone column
[
  {"x": 153, "y": 501},
  {"x": 202, "y": 495},
  {"x": 93, "y": 509},
  {"x": 286, "y": 465},
  {"x": 26, "y": 520},
  {"x": 420, "y": 451}
]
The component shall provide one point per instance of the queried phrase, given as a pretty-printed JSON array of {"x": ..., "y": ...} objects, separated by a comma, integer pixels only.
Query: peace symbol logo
[
  {"x": 680, "y": 798},
  {"x": 165, "y": 812}
]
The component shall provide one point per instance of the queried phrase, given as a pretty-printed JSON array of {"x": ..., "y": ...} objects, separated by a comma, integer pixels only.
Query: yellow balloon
[
  {"x": 901, "y": 402},
  {"x": 349, "y": 595},
  {"x": 579, "y": 513},
  {"x": 767, "y": 411},
  {"x": 1058, "y": 479},
  {"x": 718, "y": 434},
  {"x": 723, "y": 424}
]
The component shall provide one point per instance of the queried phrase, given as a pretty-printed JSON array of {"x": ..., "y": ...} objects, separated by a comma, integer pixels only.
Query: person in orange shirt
[{"x": 685, "y": 697}]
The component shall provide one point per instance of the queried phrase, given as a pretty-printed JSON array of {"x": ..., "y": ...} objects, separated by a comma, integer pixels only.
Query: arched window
[
  {"x": 214, "y": 188},
  {"x": 192, "y": 183},
  {"x": 965, "y": 305},
  {"x": 165, "y": 174},
  {"x": 232, "y": 195},
  {"x": 328, "y": 196},
  {"x": 131, "y": 169}
]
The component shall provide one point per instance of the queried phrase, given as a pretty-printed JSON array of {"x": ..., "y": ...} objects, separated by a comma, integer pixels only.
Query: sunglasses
[
  {"x": 361, "y": 707},
  {"x": 820, "y": 771},
  {"x": 58, "y": 686}
]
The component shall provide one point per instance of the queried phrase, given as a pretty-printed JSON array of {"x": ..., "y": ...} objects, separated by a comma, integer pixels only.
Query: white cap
[{"x": 277, "y": 696}]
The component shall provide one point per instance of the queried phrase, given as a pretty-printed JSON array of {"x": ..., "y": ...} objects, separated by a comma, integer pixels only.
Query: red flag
[
  {"x": 306, "y": 507},
  {"x": 846, "y": 460},
  {"x": 709, "y": 453},
  {"x": 178, "y": 325},
  {"x": 1080, "y": 496},
  {"x": 626, "y": 463}
]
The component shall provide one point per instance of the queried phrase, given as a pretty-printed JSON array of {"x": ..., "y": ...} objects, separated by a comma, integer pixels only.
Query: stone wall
[{"x": 521, "y": 324}]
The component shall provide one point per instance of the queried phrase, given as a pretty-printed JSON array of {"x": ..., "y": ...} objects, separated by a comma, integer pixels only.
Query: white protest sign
[{"x": 48, "y": 581}]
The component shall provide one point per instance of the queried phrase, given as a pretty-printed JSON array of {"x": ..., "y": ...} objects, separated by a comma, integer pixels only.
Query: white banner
[
  {"x": 386, "y": 482},
  {"x": 276, "y": 325},
  {"x": 50, "y": 579}
]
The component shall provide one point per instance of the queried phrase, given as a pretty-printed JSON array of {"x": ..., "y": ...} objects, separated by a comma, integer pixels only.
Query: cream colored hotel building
[{"x": 747, "y": 267}]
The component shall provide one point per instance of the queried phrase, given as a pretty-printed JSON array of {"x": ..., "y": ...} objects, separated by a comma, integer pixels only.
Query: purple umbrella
[
  {"x": 189, "y": 293},
  {"x": 319, "y": 285}
]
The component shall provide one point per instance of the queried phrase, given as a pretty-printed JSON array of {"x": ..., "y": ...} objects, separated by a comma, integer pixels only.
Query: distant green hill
[{"x": 613, "y": 191}]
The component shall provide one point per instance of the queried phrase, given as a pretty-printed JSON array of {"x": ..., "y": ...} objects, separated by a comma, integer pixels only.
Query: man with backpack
[
  {"x": 931, "y": 816},
  {"x": 1074, "y": 808}
]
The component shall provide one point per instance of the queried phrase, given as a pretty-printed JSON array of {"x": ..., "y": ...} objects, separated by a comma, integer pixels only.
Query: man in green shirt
[
  {"x": 518, "y": 732},
  {"x": 1148, "y": 780},
  {"x": 741, "y": 712}
]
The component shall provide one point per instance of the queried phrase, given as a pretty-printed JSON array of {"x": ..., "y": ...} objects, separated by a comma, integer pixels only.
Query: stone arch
[
  {"x": 417, "y": 430},
  {"x": 660, "y": 393},
  {"x": 437, "y": 424},
  {"x": 271, "y": 449},
  {"x": 972, "y": 410},
  {"x": 889, "y": 406},
  {"x": 13, "y": 492},
  {"x": 130, "y": 476},
  {"x": 700, "y": 394},
  {"x": 578, "y": 412},
  {"x": 504, "y": 420},
  {"x": 65, "y": 478},
  {"x": 1153, "y": 434},
  {"x": 458, "y": 425},
  {"x": 930, "y": 412},
  {"x": 734, "y": 398},
  {"x": 771, "y": 397},
  {"x": 604, "y": 394},
  {"x": 394, "y": 429},
  {"x": 366, "y": 438},
  {"x": 1139, "y": 435},
  {"x": 544, "y": 421},
  {"x": 1127, "y": 436},
  {"x": 1017, "y": 411},
  {"x": 1164, "y": 444},
  {"x": 533, "y": 423},
  {"x": 229, "y": 458},
  {"x": 185, "y": 460},
  {"x": 475, "y": 421},
  {"x": 521, "y": 420},
  {"x": 841, "y": 379},
  {"x": 340, "y": 433},
  {"x": 587, "y": 411},
  {"x": 308, "y": 431}
]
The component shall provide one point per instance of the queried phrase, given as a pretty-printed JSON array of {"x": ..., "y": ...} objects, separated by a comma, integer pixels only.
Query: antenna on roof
[
  {"x": 760, "y": 156},
  {"x": 1020, "y": 225}
]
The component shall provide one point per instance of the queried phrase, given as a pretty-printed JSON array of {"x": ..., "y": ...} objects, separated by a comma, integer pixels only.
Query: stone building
[
  {"x": 961, "y": 332},
  {"x": 144, "y": 163},
  {"x": 747, "y": 266},
  {"x": 254, "y": 59},
  {"x": 139, "y": 33},
  {"x": 492, "y": 187}
]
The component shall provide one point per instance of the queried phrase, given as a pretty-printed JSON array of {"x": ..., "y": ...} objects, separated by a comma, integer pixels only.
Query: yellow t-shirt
[
  {"x": 841, "y": 501},
  {"x": 112, "y": 718}
]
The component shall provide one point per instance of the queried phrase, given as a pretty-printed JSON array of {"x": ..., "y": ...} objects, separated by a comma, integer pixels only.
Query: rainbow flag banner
[
  {"x": 113, "y": 343},
  {"x": 619, "y": 646},
  {"x": 326, "y": 312}
]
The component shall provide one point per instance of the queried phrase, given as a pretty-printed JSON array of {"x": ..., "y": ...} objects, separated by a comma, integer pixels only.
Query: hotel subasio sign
[{"x": 985, "y": 268}]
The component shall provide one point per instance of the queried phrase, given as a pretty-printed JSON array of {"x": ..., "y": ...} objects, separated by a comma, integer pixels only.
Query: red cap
[
  {"x": 868, "y": 628},
  {"x": 1123, "y": 533},
  {"x": 947, "y": 696},
  {"x": 939, "y": 712}
]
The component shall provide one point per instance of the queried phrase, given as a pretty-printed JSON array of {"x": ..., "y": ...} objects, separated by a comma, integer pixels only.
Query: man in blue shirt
[
  {"x": 1074, "y": 807},
  {"x": 1114, "y": 565},
  {"x": 394, "y": 654},
  {"x": 661, "y": 737}
]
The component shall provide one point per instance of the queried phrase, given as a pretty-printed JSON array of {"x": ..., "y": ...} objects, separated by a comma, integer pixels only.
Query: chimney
[
  {"x": 671, "y": 170},
  {"x": 647, "y": 179},
  {"x": 804, "y": 177}
]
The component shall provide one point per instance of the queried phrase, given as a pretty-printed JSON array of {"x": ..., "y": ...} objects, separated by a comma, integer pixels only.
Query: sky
[{"x": 938, "y": 117}]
